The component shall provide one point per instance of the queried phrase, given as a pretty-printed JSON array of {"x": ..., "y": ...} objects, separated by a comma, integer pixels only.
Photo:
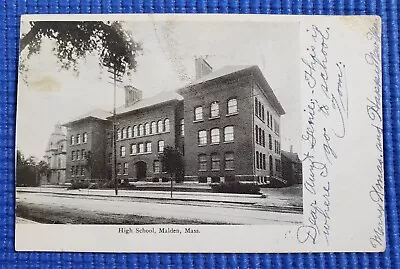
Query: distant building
[
  {"x": 226, "y": 124},
  {"x": 291, "y": 167},
  {"x": 55, "y": 157}
]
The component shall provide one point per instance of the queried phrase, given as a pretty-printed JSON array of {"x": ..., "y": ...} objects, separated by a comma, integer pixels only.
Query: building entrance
[{"x": 141, "y": 170}]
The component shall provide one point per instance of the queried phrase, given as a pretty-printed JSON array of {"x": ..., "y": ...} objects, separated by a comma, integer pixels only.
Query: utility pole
[{"x": 114, "y": 130}]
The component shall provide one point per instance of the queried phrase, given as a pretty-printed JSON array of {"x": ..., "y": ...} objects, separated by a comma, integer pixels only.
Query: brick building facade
[{"x": 226, "y": 124}]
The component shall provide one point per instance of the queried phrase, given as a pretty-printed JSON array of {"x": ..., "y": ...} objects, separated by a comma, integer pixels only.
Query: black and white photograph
[
  {"x": 159, "y": 122},
  {"x": 163, "y": 133}
]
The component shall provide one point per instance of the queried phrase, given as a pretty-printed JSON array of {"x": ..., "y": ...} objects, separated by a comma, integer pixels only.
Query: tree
[
  {"x": 76, "y": 39},
  {"x": 172, "y": 162},
  {"x": 26, "y": 171}
]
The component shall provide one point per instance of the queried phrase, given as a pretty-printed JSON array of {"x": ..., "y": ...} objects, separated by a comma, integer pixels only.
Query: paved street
[{"x": 213, "y": 212}]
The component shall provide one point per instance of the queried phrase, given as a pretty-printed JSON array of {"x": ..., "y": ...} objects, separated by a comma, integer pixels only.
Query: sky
[{"x": 53, "y": 96}]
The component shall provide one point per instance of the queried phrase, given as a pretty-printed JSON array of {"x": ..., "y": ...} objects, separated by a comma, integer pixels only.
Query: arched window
[
  {"x": 228, "y": 134},
  {"x": 122, "y": 133},
  {"x": 140, "y": 130},
  {"x": 202, "y": 138},
  {"x": 202, "y": 162},
  {"x": 161, "y": 146},
  {"x": 229, "y": 161},
  {"x": 166, "y": 125},
  {"x": 198, "y": 113},
  {"x": 215, "y": 161},
  {"x": 153, "y": 127},
  {"x": 214, "y": 109},
  {"x": 232, "y": 106},
  {"x": 160, "y": 126},
  {"x": 147, "y": 129},
  {"x": 134, "y": 131},
  {"x": 129, "y": 132},
  {"x": 215, "y": 137},
  {"x": 270, "y": 141}
]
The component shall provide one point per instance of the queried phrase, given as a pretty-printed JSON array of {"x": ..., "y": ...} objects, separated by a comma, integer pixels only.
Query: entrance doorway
[
  {"x": 141, "y": 169},
  {"x": 271, "y": 166}
]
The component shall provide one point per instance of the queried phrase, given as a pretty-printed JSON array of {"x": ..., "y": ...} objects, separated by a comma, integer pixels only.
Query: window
[
  {"x": 270, "y": 120},
  {"x": 259, "y": 109},
  {"x": 264, "y": 166},
  {"x": 153, "y": 127},
  {"x": 270, "y": 141},
  {"x": 85, "y": 138},
  {"x": 202, "y": 162},
  {"x": 257, "y": 134},
  {"x": 129, "y": 132},
  {"x": 147, "y": 129},
  {"x": 72, "y": 140},
  {"x": 215, "y": 162},
  {"x": 202, "y": 137},
  {"x": 82, "y": 170},
  {"x": 78, "y": 154},
  {"x": 232, "y": 106},
  {"x": 214, "y": 110},
  {"x": 58, "y": 163},
  {"x": 119, "y": 134},
  {"x": 72, "y": 171},
  {"x": 123, "y": 133},
  {"x": 228, "y": 133},
  {"x": 166, "y": 125},
  {"x": 148, "y": 146},
  {"x": 256, "y": 106},
  {"x": 263, "y": 138},
  {"x": 73, "y": 155},
  {"x": 126, "y": 165},
  {"x": 198, "y": 113},
  {"x": 215, "y": 138},
  {"x": 161, "y": 146},
  {"x": 141, "y": 148},
  {"x": 122, "y": 151},
  {"x": 182, "y": 127},
  {"x": 133, "y": 149},
  {"x": 257, "y": 160},
  {"x": 160, "y": 128},
  {"x": 229, "y": 164},
  {"x": 119, "y": 168},
  {"x": 83, "y": 154},
  {"x": 262, "y": 113},
  {"x": 78, "y": 139},
  {"x": 156, "y": 167},
  {"x": 134, "y": 131},
  {"x": 278, "y": 165},
  {"x": 268, "y": 123},
  {"x": 140, "y": 130}
]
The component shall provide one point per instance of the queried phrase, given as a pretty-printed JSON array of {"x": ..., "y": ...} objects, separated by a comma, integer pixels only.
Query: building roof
[
  {"x": 162, "y": 97},
  {"x": 232, "y": 72},
  {"x": 294, "y": 157},
  {"x": 98, "y": 114}
]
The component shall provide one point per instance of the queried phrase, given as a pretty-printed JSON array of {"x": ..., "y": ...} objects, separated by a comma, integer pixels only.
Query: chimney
[
  {"x": 132, "y": 95},
  {"x": 202, "y": 67},
  {"x": 291, "y": 148}
]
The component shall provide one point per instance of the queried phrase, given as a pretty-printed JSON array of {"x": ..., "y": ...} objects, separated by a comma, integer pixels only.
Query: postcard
[{"x": 199, "y": 133}]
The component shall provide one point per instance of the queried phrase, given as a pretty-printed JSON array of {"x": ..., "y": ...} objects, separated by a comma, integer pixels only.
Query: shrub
[
  {"x": 236, "y": 187},
  {"x": 215, "y": 180},
  {"x": 76, "y": 185},
  {"x": 156, "y": 179},
  {"x": 165, "y": 179},
  {"x": 202, "y": 179},
  {"x": 229, "y": 178}
]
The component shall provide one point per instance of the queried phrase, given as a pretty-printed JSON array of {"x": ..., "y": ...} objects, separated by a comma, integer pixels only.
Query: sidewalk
[{"x": 244, "y": 199}]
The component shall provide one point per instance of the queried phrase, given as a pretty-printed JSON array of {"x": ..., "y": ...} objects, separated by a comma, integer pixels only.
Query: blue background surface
[{"x": 9, "y": 37}]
